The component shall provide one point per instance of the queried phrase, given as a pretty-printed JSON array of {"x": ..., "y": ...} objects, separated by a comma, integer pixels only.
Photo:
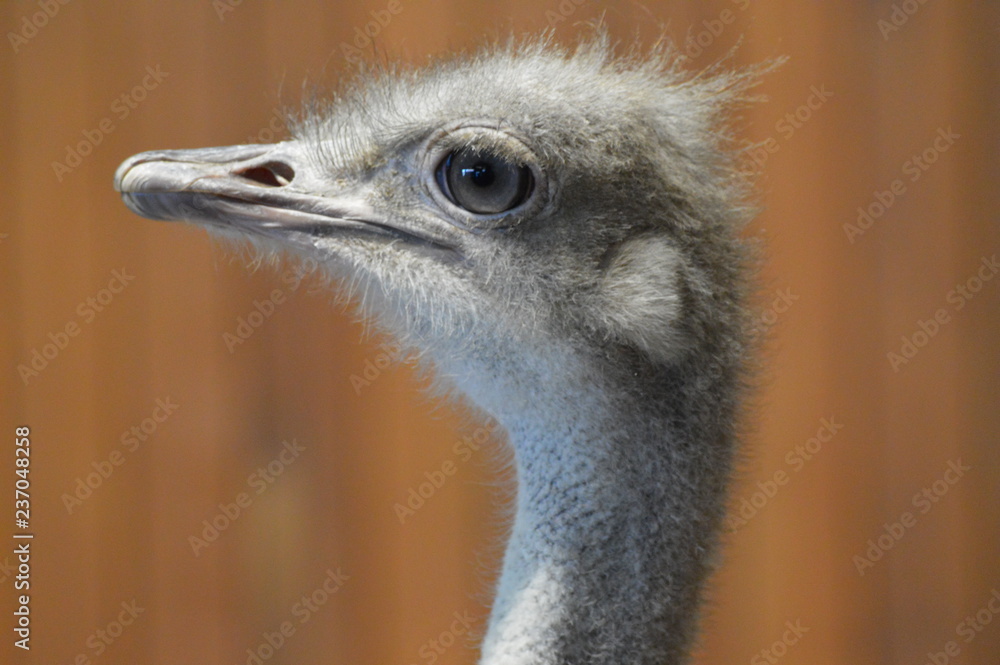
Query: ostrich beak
[{"x": 265, "y": 190}]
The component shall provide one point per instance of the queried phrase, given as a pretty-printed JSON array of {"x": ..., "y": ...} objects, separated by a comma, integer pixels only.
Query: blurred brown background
[{"x": 890, "y": 108}]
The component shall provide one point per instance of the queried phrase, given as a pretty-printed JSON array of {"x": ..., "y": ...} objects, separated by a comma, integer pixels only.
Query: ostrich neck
[{"x": 616, "y": 514}]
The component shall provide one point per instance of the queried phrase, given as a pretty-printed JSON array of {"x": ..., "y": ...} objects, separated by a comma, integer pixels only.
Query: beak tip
[
  {"x": 126, "y": 179},
  {"x": 138, "y": 180},
  {"x": 120, "y": 172}
]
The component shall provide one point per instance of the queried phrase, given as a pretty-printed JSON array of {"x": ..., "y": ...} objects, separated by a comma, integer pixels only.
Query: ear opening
[{"x": 640, "y": 300}]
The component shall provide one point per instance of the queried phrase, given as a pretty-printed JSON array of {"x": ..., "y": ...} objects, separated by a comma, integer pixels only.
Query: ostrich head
[{"x": 556, "y": 233}]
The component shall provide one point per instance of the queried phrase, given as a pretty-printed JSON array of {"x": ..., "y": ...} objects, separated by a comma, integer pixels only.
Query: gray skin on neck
[{"x": 600, "y": 320}]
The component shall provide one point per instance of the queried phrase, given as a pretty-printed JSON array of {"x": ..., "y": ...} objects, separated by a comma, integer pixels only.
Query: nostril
[{"x": 272, "y": 174}]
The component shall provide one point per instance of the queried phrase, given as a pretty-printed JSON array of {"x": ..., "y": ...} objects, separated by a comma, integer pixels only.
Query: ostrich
[{"x": 555, "y": 232}]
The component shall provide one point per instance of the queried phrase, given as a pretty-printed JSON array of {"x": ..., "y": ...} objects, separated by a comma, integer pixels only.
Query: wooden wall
[{"x": 854, "y": 110}]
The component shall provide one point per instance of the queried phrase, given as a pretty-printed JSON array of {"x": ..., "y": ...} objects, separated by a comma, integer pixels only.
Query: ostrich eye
[{"x": 482, "y": 183}]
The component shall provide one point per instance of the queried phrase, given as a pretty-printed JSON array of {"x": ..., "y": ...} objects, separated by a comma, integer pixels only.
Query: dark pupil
[
  {"x": 481, "y": 175},
  {"x": 482, "y": 183}
]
